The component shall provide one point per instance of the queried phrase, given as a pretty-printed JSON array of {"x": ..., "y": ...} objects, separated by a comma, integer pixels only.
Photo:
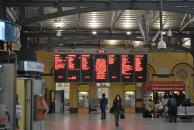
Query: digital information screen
[
  {"x": 114, "y": 68},
  {"x": 87, "y": 68},
  {"x": 100, "y": 67},
  {"x": 73, "y": 68},
  {"x": 140, "y": 68},
  {"x": 127, "y": 68},
  {"x": 60, "y": 68}
]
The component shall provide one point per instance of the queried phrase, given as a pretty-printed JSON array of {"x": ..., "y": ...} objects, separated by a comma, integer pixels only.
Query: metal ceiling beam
[
  {"x": 11, "y": 3},
  {"x": 99, "y": 36},
  {"x": 178, "y": 47},
  {"x": 182, "y": 7}
]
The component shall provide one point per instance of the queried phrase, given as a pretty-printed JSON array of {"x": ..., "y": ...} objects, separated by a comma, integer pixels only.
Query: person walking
[
  {"x": 172, "y": 107},
  {"x": 117, "y": 104},
  {"x": 103, "y": 104}
]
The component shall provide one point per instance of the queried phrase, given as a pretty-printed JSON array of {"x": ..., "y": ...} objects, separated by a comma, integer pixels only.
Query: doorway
[{"x": 103, "y": 88}]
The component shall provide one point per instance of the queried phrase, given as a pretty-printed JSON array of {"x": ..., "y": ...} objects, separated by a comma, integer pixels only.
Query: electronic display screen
[
  {"x": 73, "y": 68},
  {"x": 87, "y": 68},
  {"x": 100, "y": 67},
  {"x": 140, "y": 68},
  {"x": 60, "y": 68},
  {"x": 127, "y": 68},
  {"x": 113, "y": 68}
]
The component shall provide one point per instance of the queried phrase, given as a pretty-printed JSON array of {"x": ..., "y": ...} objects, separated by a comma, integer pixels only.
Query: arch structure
[{"x": 183, "y": 72}]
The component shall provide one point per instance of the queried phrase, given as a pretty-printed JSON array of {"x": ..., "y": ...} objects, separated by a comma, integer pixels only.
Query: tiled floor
[{"x": 93, "y": 122}]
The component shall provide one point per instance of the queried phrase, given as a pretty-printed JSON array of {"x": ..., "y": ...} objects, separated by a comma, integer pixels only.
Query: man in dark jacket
[
  {"x": 172, "y": 107},
  {"x": 103, "y": 104}
]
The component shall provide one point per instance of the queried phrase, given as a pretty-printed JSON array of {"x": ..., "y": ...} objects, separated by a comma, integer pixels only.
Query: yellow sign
[
  {"x": 84, "y": 87},
  {"x": 129, "y": 87}
]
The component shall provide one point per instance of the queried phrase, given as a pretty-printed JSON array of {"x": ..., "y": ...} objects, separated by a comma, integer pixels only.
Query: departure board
[
  {"x": 87, "y": 67},
  {"x": 100, "y": 68},
  {"x": 127, "y": 68},
  {"x": 114, "y": 68},
  {"x": 73, "y": 68},
  {"x": 140, "y": 68},
  {"x": 60, "y": 68}
]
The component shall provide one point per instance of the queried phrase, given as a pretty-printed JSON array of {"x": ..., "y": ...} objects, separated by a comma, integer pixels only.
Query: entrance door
[{"x": 102, "y": 90}]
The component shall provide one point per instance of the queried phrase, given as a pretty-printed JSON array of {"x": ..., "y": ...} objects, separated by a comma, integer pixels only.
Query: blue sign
[{"x": 9, "y": 32}]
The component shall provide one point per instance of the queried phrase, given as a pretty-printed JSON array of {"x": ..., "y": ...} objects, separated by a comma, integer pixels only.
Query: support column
[{"x": 192, "y": 53}]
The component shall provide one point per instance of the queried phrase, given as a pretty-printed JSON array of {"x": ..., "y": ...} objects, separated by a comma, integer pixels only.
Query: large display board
[{"x": 100, "y": 67}]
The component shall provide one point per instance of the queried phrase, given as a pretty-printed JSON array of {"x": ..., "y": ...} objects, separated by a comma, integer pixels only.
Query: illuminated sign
[
  {"x": 114, "y": 64},
  {"x": 73, "y": 68},
  {"x": 87, "y": 67},
  {"x": 60, "y": 68},
  {"x": 100, "y": 67},
  {"x": 127, "y": 68},
  {"x": 140, "y": 67}
]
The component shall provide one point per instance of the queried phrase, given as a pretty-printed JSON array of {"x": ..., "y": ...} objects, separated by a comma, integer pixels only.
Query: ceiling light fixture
[
  {"x": 94, "y": 32},
  {"x": 128, "y": 33},
  {"x": 59, "y": 33},
  {"x": 169, "y": 33},
  {"x": 161, "y": 44}
]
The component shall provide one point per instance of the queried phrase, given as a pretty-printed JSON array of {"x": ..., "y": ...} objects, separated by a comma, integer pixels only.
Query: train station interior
[{"x": 63, "y": 63}]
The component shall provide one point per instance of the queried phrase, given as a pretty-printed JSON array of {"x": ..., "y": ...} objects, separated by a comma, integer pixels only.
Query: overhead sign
[
  {"x": 31, "y": 66},
  {"x": 100, "y": 67},
  {"x": 129, "y": 87},
  {"x": 9, "y": 32},
  {"x": 84, "y": 87},
  {"x": 165, "y": 86}
]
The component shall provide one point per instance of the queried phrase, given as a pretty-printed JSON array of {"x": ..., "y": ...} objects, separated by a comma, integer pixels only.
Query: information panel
[
  {"x": 114, "y": 68},
  {"x": 60, "y": 68},
  {"x": 73, "y": 68},
  {"x": 100, "y": 68},
  {"x": 127, "y": 68},
  {"x": 87, "y": 68},
  {"x": 140, "y": 68}
]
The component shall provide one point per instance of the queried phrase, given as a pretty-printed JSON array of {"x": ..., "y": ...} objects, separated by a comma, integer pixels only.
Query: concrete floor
[{"x": 93, "y": 122}]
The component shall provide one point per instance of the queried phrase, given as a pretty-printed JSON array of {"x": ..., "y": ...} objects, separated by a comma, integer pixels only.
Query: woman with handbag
[{"x": 117, "y": 105}]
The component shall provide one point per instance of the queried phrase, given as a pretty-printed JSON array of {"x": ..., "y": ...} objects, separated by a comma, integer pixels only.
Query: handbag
[
  {"x": 112, "y": 109},
  {"x": 122, "y": 115}
]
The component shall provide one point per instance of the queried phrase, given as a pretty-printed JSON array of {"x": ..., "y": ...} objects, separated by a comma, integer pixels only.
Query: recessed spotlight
[
  {"x": 94, "y": 32},
  {"x": 128, "y": 33},
  {"x": 164, "y": 33}
]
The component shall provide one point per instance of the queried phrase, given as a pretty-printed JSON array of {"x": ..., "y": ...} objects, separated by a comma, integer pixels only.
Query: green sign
[
  {"x": 129, "y": 87},
  {"x": 84, "y": 87}
]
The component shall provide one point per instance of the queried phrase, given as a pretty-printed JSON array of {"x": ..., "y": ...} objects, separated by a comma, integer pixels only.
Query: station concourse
[{"x": 58, "y": 57}]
